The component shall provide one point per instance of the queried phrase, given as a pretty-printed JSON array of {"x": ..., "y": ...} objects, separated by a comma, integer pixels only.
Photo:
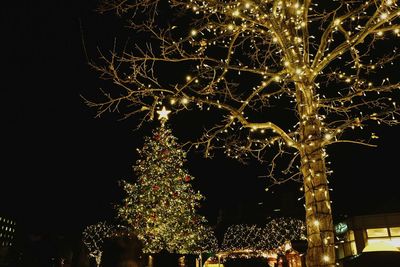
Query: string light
[
  {"x": 94, "y": 236},
  {"x": 274, "y": 234}
]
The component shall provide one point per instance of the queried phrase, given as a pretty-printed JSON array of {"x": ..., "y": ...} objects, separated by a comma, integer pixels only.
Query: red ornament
[
  {"x": 156, "y": 187},
  {"x": 187, "y": 178}
]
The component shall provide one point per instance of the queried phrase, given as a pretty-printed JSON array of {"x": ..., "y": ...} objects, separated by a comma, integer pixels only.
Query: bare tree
[
  {"x": 94, "y": 236},
  {"x": 292, "y": 76}
]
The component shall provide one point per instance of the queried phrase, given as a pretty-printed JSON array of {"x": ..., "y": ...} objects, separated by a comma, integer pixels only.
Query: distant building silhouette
[{"x": 7, "y": 238}]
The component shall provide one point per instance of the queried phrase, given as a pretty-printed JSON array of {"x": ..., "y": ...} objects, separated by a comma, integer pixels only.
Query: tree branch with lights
[
  {"x": 93, "y": 237},
  {"x": 286, "y": 76}
]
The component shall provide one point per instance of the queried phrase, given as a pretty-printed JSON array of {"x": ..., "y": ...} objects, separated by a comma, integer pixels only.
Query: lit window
[
  {"x": 378, "y": 240},
  {"x": 396, "y": 241},
  {"x": 377, "y": 232},
  {"x": 353, "y": 248},
  {"x": 394, "y": 231},
  {"x": 350, "y": 236}
]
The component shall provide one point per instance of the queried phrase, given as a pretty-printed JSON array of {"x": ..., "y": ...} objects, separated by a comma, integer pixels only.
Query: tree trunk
[{"x": 320, "y": 236}]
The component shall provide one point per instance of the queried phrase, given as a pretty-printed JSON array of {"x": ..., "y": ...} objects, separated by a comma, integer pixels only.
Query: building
[
  {"x": 7, "y": 237},
  {"x": 354, "y": 234}
]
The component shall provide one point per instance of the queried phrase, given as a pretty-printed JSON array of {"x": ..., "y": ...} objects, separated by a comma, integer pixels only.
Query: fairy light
[
  {"x": 275, "y": 233},
  {"x": 185, "y": 101},
  {"x": 384, "y": 16},
  {"x": 328, "y": 136},
  {"x": 94, "y": 236},
  {"x": 193, "y": 32}
]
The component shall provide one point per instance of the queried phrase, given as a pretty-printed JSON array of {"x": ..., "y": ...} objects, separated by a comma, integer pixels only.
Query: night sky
[{"x": 60, "y": 165}]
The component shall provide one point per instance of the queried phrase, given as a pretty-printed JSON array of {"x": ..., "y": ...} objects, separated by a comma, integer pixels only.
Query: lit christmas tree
[{"x": 161, "y": 205}]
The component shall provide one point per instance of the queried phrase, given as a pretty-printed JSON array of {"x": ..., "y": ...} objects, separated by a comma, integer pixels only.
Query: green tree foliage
[{"x": 161, "y": 205}]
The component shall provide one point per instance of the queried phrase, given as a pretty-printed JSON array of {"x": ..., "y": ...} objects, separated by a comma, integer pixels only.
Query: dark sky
[{"x": 60, "y": 165}]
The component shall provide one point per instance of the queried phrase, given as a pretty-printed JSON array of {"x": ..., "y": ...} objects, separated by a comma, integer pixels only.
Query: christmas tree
[{"x": 161, "y": 205}]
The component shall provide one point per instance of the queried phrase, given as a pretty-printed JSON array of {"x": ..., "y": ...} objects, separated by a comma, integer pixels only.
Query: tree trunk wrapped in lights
[{"x": 320, "y": 65}]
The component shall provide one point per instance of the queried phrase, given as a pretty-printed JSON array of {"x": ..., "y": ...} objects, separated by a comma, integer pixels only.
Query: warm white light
[
  {"x": 325, "y": 258},
  {"x": 336, "y": 22},
  {"x": 184, "y": 101},
  {"x": 163, "y": 113},
  {"x": 193, "y": 32},
  {"x": 384, "y": 15},
  {"x": 328, "y": 136}
]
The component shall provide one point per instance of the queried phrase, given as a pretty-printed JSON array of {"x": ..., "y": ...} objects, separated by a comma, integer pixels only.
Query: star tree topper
[{"x": 163, "y": 115}]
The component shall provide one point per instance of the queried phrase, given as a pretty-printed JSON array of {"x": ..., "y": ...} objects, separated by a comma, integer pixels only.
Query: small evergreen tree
[{"x": 161, "y": 205}]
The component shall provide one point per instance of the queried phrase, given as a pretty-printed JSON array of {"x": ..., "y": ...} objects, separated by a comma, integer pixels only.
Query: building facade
[
  {"x": 7, "y": 237},
  {"x": 354, "y": 234}
]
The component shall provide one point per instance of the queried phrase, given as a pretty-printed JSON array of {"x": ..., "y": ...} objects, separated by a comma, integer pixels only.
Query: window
[
  {"x": 347, "y": 247},
  {"x": 377, "y": 232},
  {"x": 394, "y": 231},
  {"x": 390, "y": 235},
  {"x": 396, "y": 241}
]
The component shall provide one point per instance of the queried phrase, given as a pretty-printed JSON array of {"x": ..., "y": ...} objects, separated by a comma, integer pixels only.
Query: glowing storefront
[{"x": 377, "y": 232}]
